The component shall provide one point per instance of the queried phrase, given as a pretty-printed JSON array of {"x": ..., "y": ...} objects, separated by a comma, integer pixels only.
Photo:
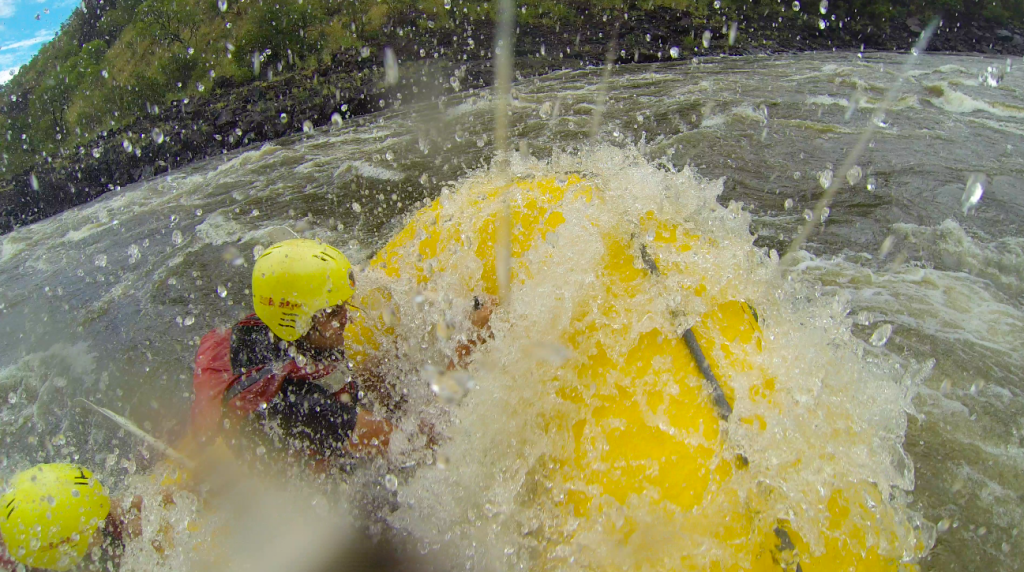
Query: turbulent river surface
[{"x": 926, "y": 279}]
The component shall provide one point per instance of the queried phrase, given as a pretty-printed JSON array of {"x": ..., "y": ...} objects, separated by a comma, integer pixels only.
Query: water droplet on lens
[
  {"x": 158, "y": 136},
  {"x": 824, "y": 213},
  {"x": 176, "y": 237},
  {"x": 390, "y": 155},
  {"x": 973, "y": 192},
  {"x": 554, "y": 353},
  {"x": 881, "y": 335},
  {"x": 364, "y": 52},
  {"x": 449, "y": 387},
  {"x": 883, "y": 250},
  {"x": 104, "y": 73},
  {"x": 943, "y": 525},
  {"x": 788, "y": 204},
  {"x": 808, "y": 215},
  {"x": 390, "y": 67},
  {"x": 127, "y": 145},
  {"x": 357, "y": 208},
  {"x": 854, "y": 175},
  {"x": 222, "y": 291},
  {"x": 674, "y": 52},
  {"x": 284, "y": 118},
  {"x": 718, "y": 4},
  {"x": 545, "y": 110},
  {"x": 307, "y": 126},
  {"x": 796, "y": 6},
  {"x": 991, "y": 77},
  {"x": 12, "y": 398},
  {"x": 189, "y": 320},
  {"x": 825, "y": 178},
  {"x": 706, "y": 39},
  {"x": 336, "y": 119},
  {"x": 96, "y": 152},
  {"x": 822, "y": 24},
  {"x": 447, "y": 4},
  {"x": 33, "y": 181},
  {"x": 391, "y": 483},
  {"x": 222, "y": 5},
  {"x": 872, "y": 184}
]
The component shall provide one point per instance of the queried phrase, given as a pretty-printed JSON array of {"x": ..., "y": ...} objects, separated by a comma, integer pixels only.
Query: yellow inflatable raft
[{"x": 643, "y": 476}]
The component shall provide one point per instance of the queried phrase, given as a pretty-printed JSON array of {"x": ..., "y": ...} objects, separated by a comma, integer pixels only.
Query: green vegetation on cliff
[{"x": 115, "y": 60}]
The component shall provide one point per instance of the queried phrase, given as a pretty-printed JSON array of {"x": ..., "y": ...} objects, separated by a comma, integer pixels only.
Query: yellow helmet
[
  {"x": 49, "y": 514},
  {"x": 295, "y": 279}
]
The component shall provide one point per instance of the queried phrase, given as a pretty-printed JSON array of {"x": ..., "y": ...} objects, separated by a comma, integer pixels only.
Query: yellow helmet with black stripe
[
  {"x": 50, "y": 514},
  {"x": 295, "y": 279}
]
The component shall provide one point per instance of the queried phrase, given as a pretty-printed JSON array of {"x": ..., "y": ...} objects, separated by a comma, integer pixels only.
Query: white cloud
[
  {"x": 7, "y": 8},
  {"x": 40, "y": 37},
  {"x": 6, "y": 75},
  {"x": 16, "y": 54}
]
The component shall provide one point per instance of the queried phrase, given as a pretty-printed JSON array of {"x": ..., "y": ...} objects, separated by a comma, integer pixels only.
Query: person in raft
[
  {"x": 265, "y": 377},
  {"x": 54, "y": 513}
]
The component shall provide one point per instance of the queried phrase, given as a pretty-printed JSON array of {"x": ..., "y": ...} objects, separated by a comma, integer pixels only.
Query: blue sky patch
[{"x": 25, "y": 25}]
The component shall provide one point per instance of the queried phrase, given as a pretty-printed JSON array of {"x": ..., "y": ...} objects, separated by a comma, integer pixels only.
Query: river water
[{"x": 108, "y": 301}]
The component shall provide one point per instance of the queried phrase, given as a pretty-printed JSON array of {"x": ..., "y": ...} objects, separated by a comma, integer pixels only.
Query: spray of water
[
  {"x": 877, "y": 120},
  {"x": 602, "y": 89},
  {"x": 503, "y": 62}
]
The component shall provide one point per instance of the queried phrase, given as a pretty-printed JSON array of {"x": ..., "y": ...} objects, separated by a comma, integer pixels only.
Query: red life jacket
[{"x": 242, "y": 368}]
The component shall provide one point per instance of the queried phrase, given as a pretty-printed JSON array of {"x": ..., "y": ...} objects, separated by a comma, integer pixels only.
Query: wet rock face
[{"x": 235, "y": 115}]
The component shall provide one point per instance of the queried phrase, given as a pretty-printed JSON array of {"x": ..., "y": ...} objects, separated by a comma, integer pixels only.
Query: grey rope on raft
[{"x": 717, "y": 395}]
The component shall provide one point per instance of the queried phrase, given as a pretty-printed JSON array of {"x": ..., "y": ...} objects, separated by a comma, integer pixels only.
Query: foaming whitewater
[
  {"x": 957, "y": 300},
  {"x": 488, "y": 499}
]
